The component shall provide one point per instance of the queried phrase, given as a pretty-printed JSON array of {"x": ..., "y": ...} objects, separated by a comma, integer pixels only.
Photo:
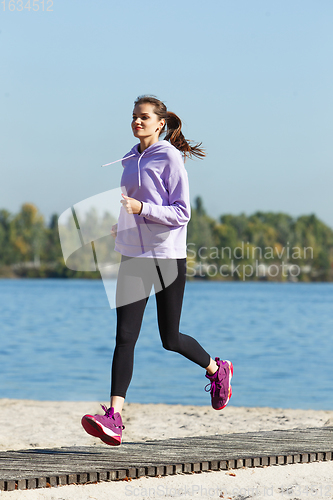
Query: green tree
[
  {"x": 51, "y": 251},
  {"x": 200, "y": 228},
  {"x": 27, "y": 234},
  {"x": 6, "y": 250}
]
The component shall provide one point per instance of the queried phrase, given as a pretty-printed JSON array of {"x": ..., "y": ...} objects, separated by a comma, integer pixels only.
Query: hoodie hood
[{"x": 157, "y": 147}]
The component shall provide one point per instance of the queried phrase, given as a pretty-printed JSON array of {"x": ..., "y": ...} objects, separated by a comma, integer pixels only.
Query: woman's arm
[{"x": 178, "y": 211}]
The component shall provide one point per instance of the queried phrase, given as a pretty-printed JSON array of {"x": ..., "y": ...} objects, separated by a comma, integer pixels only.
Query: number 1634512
[{"x": 20, "y": 5}]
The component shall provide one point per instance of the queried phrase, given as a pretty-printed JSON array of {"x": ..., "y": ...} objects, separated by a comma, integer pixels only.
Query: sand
[{"x": 40, "y": 424}]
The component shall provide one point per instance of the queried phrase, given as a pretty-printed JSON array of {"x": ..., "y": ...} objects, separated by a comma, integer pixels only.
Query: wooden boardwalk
[{"x": 38, "y": 468}]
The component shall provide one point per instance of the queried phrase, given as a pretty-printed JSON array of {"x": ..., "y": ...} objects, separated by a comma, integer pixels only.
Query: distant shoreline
[{"x": 7, "y": 273}]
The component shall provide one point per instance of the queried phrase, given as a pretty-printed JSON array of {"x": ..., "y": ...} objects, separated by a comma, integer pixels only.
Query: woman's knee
[
  {"x": 171, "y": 344},
  {"x": 126, "y": 337}
]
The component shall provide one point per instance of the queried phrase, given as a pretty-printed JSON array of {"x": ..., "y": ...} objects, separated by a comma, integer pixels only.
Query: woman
[{"x": 151, "y": 237}]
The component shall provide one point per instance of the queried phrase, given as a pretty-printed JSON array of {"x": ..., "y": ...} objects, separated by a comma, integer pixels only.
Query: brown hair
[{"x": 173, "y": 126}]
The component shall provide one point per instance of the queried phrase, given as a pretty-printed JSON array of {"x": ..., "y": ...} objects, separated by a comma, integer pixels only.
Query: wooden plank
[
  {"x": 169, "y": 469},
  {"x": 40, "y": 468},
  {"x": 160, "y": 470},
  {"x": 113, "y": 475},
  {"x": 131, "y": 472},
  {"x": 82, "y": 478},
  {"x": 10, "y": 486},
  {"x": 178, "y": 468},
  {"x": 103, "y": 476},
  {"x": 93, "y": 477},
  {"x": 141, "y": 471},
  {"x": 32, "y": 483},
  {"x": 62, "y": 480},
  {"x": 121, "y": 474},
  {"x": 41, "y": 482},
  {"x": 22, "y": 484},
  {"x": 151, "y": 471},
  {"x": 53, "y": 481},
  {"x": 196, "y": 467},
  {"x": 214, "y": 465},
  {"x": 187, "y": 468}
]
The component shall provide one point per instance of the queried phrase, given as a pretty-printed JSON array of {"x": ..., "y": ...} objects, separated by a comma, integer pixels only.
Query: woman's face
[{"x": 145, "y": 122}]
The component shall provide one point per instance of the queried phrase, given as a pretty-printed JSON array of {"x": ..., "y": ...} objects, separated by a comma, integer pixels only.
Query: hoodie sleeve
[{"x": 178, "y": 211}]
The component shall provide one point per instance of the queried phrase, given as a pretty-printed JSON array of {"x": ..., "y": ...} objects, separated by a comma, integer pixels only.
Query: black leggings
[{"x": 169, "y": 299}]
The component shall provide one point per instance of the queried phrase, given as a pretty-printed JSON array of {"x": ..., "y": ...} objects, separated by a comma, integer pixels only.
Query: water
[{"x": 58, "y": 336}]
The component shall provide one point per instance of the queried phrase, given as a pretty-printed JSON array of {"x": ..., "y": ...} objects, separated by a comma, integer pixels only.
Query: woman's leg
[
  {"x": 129, "y": 320},
  {"x": 132, "y": 283},
  {"x": 169, "y": 305}
]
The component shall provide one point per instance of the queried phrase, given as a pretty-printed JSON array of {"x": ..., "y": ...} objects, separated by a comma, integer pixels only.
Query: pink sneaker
[
  {"x": 107, "y": 427},
  {"x": 220, "y": 387}
]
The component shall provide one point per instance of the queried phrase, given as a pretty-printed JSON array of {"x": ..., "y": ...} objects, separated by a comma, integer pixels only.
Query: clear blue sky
[{"x": 252, "y": 80}]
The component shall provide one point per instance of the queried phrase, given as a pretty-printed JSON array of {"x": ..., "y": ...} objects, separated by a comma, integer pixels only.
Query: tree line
[{"x": 224, "y": 248}]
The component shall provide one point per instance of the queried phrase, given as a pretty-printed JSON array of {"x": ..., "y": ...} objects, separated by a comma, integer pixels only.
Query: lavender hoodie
[{"x": 158, "y": 178}]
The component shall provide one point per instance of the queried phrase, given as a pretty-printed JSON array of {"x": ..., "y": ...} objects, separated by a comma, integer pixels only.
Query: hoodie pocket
[{"x": 156, "y": 233}]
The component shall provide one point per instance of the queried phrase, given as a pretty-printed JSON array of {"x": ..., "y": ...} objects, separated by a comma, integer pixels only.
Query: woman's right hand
[{"x": 114, "y": 230}]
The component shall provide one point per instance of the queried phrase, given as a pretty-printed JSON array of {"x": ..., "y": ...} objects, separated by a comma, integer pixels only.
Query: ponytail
[
  {"x": 175, "y": 136},
  {"x": 173, "y": 127}
]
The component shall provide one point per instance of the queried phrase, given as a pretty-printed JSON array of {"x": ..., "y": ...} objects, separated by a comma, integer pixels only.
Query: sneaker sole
[
  {"x": 96, "y": 429},
  {"x": 231, "y": 372}
]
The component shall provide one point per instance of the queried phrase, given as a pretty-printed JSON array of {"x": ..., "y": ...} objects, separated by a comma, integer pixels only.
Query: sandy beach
[{"x": 47, "y": 424}]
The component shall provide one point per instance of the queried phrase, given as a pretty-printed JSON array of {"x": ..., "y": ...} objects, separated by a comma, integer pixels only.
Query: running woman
[{"x": 153, "y": 252}]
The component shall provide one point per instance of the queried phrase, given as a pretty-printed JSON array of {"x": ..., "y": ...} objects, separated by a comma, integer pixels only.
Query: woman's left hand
[{"x": 131, "y": 205}]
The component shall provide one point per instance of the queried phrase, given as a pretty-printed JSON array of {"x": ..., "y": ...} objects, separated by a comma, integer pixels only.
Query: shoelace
[
  {"x": 109, "y": 412},
  {"x": 214, "y": 384}
]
